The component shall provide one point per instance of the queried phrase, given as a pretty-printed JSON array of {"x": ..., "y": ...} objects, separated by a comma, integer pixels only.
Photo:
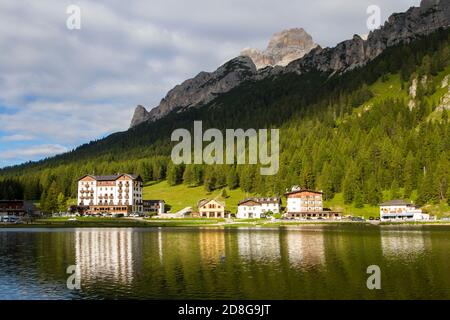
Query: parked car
[
  {"x": 14, "y": 220},
  {"x": 371, "y": 218},
  {"x": 358, "y": 219}
]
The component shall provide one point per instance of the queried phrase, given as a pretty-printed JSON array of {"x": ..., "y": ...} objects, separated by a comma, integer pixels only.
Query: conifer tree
[{"x": 232, "y": 179}]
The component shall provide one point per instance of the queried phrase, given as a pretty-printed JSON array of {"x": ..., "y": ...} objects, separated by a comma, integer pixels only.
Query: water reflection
[
  {"x": 302, "y": 263},
  {"x": 212, "y": 246},
  {"x": 105, "y": 254},
  {"x": 402, "y": 244},
  {"x": 260, "y": 246},
  {"x": 305, "y": 249}
]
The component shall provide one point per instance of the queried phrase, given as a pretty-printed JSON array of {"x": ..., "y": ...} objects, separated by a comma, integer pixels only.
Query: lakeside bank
[{"x": 196, "y": 223}]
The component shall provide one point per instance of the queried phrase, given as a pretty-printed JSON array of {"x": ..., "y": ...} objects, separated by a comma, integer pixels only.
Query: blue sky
[{"x": 61, "y": 88}]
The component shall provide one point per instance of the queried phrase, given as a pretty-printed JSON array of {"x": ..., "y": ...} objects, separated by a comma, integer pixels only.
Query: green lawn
[
  {"x": 337, "y": 204},
  {"x": 182, "y": 196}
]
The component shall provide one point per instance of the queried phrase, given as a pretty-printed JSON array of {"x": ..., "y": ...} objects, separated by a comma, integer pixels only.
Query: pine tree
[
  {"x": 232, "y": 179},
  {"x": 448, "y": 195},
  {"x": 210, "y": 183},
  {"x": 210, "y": 179},
  {"x": 307, "y": 178},
  {"x": 198, "y": 175},
  {"x": 442, "y": 175},
  {"x": 224, "y": 193},
  {"x": 247, "y": 179},
  {"x": 174, "y": 174},
  {"x": 325, "y": 182},
  {"x": 373, "y": 193},
  {"x": 348, "y": 188},
  {"x": 395, "y": 191},
  {"x": 359, "y": 201},
  {"x": 409, "y": 175},
  {"x": 43, "y": 202},
  {"x": 51, "y": 201},
  {"x": 62, "y": 202},
  {"x": 188, "y": 176}
]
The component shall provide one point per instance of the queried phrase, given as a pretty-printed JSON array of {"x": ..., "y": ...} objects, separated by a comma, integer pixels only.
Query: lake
[{"x": 307, "y": 262}]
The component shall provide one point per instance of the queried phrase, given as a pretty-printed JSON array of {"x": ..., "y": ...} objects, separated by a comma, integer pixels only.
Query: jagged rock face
[
  {"x": 140, "y": 115},
  {"x": 283, "y": 48},
  {"x": 200, "y": 90},
  {"x": 401, "y": 27}
]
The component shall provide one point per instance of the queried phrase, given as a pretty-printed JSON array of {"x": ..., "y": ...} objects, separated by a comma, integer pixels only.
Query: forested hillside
[{"x": 383, "y": 127}]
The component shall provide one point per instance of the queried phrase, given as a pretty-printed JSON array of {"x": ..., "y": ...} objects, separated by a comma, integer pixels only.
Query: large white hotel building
[{"x": 115, "y": 194}]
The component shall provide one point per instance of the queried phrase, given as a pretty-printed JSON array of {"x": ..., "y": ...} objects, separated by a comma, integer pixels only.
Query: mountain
[
  {"x": 400, "y": 27},
  {"x": 361, "y": 126},
  {"x": 199, "y": 90},
  {"x": 284, "y": 46}
]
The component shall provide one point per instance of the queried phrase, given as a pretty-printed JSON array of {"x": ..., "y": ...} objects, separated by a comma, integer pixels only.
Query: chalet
[
  {"x": 256, "y": 208},
  {"x": 154, "y": 206},
  {"x": 308, "y": 205},
  {"x": 114, "y": 194},
  {"x": 401, "y": 210},
  {"x": 17, "y": 208},
  {"x": 211, "y": 208}
]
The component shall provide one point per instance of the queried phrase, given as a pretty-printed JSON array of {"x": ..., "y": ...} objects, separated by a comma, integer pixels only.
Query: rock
[
  {"x": 296, "y": 49},
  {"x": 445, "y": 82},
  {"x": 445, "y": 102},
  {"x": 200, "y": 90},
  {"x": 140, "y": 115},
  {"x": 284, "y": 47},
  {"x": 413, "y": 89},
  {"x": 400, "y": 27}
]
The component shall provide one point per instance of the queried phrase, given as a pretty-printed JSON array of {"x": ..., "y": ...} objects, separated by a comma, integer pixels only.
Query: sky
[{"x": 62, "y": 87}]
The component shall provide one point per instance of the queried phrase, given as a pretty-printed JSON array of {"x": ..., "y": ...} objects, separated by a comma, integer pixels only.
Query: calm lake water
[{"x": 309, "y": 262}]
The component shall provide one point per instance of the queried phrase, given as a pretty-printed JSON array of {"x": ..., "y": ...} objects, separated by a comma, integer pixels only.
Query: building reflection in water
[
  {"x": 305, "y": 248},
  {"x": 212, "y": 245},
  {"x": 105, "y": 254},
  {"x": 402, "y": 243},
  {"x": 262, "y": 245}
]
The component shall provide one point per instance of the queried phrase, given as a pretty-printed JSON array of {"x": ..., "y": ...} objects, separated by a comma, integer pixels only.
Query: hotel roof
[
  {"x": 394, "y": 203},
  {"x": 301, "y": 191},
  {"x": 112, "y": 177},
  {"x": 261, "y": 200},
  {"x": 202, "y": 202}
]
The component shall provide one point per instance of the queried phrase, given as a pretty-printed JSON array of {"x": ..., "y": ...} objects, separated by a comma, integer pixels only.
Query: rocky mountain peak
[
  {"x": 284, "y": 47},
  {"x": 294, "y": 51},
  {"x": 199, "y": 90},
  {"x": 140, "y": 115}
]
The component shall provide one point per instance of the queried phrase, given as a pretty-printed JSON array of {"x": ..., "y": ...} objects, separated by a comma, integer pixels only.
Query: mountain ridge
[
  {"x": 347, "y": 55},
  {"x": 284, "y": 47}
]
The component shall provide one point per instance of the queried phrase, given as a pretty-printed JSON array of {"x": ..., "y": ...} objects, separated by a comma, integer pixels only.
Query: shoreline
[{"x": 205, "y": 224}]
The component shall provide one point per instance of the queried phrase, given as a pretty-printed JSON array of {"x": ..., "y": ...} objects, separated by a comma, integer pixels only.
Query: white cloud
[
  {"x": 33, "y": 152},
  {"x": 17, "y": 137}
]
